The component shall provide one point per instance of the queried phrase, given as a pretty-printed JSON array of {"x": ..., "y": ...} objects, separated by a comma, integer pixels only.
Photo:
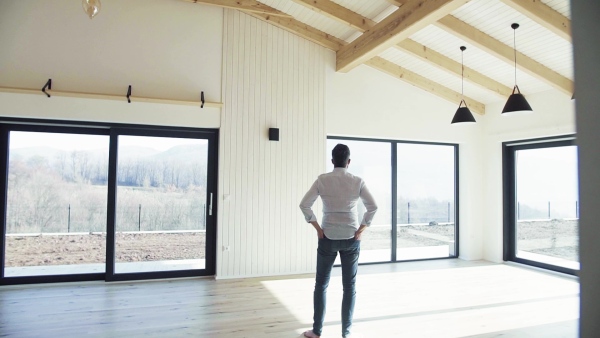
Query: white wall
[
  {"x": 553, "y": 115},
  {"x": 368, "y": 103},
  {"x": 271, "y": 78},
  {"x": 130, "y": 42}
]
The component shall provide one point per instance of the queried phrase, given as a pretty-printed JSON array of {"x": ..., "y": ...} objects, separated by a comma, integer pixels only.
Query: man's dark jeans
[{"x": 349, "y": 250}]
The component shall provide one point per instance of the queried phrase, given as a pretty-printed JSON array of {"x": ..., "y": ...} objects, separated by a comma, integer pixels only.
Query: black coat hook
[
  {"x": 48, "y": 85},
  {"x": 129, "y": 94},
  {"x": 202, "y": 99}
]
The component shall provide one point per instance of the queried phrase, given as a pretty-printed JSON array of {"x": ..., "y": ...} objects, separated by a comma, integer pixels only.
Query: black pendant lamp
[
  {"x": 463, "y": 114},
  {"x": 516, "y": 101}
]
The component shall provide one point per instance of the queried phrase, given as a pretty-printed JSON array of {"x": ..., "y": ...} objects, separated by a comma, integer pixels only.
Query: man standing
[{"x": 339, "y": 232}]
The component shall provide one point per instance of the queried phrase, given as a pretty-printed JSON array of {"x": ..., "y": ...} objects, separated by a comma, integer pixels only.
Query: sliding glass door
[
  {"x": 161, "y": 204},
  {"x": 414, "y": 185},
  {"x": 93, "y": 202},
  {"x": 426, "y": 191},
  {"x": 55, "y": 203},
  {"x": 542, "y": 213}
]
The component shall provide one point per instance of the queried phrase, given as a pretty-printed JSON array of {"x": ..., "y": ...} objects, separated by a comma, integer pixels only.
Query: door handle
[{"x": 210, "y": 206}]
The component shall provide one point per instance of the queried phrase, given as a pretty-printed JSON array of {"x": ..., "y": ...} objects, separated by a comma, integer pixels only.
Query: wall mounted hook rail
[
  {"x": 47, "y": 90},
  {"x": 48, "y": 86}
]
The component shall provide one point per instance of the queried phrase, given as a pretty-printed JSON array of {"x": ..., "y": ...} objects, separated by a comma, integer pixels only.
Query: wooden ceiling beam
[
  {"x": 338, "y": 13},
  {"x": 419, "y": 81},
  {"x": 505, "y": 53},
  {"x": 299, "y": 28},
  {"x": 398, "y": 3},
  {"x": 242, "y": 5},
  {"x": 447, "y": 64},
  {"x": 543, "y": 15},
  {"x": 279, "y": 19},
  {"x": 410, "y": 46},
  {"x": 406, "y": 20}
]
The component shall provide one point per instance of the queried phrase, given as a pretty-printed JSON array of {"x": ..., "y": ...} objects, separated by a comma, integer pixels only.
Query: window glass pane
[
  {"x": 425, "y": 211},
  {"x": 371, "y": 161},
  {"x": 56, "y": 204},
  {"x": 547, "y": 206},
  {"x": 161, "y": 204}
]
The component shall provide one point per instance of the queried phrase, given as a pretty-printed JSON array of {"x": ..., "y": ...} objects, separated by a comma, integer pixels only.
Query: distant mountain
[
  {"x": 27, "y": 153},
  {"x": 188, "y": 152},
  {"x": 131, "y": 152}
]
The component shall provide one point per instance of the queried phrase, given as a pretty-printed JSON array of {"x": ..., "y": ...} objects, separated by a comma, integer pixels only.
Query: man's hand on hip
[
  {"x": 358, "y": 233},
  {"x": 320, "y": 233}
]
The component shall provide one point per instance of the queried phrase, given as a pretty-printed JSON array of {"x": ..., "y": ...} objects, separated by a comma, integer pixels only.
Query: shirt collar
[{"x": 338, "y": 169}]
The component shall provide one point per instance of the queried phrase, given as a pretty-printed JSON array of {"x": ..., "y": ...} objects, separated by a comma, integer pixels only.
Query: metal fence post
[
  {"x": 69, "y": 219},
  {"x": 408, "y": 213},
  {"x": 140, "y": 218}
]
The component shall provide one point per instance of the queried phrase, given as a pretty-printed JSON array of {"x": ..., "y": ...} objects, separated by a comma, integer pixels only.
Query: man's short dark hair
[{"x": 340, "y": 155}]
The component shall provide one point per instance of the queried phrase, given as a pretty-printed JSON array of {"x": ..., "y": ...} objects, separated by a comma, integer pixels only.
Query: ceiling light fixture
[
  {"x": 91, "y": 7},
  {"x": 516, "y": 101},
  {"x": 463, "y": 114}
]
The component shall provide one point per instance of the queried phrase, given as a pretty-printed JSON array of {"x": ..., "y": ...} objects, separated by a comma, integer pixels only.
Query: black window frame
[
  {"x": 113, "y": 130},
  {"x": 509, "y": 182}
]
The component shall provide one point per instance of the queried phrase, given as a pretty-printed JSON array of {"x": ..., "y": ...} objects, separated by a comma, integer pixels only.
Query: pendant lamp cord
[
  {"x": 515, "y": 51},
  {"x": 462, "y": 74}
]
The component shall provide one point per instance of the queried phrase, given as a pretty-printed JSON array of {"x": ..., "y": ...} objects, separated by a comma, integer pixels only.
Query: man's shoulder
[{"x": 345, "y": 174}]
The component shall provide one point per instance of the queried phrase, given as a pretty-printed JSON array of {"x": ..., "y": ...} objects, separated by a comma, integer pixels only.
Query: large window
[
  {"x": 371, "y": 162},
  {"x": 414, "y": 185},
  {"x": 93, "y": 201},
  {"x": 542, "y": 209}
]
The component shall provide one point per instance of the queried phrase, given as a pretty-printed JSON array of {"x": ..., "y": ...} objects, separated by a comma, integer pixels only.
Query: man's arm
[
  {"x": 306, "y": 206},
  {"x": 370, "y": 205}
]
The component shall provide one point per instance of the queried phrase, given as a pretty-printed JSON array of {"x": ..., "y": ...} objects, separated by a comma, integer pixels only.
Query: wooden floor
[{"x": 445, "y": 298}]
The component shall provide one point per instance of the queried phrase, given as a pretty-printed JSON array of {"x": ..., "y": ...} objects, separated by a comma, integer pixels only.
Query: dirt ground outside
[
  {"x": 556, "y": 238},
  {"x": 49, "y": 249}
]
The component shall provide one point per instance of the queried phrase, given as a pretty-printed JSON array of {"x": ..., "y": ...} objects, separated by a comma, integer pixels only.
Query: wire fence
[
  {"x": 538, "y": 209},
  {"x": 71, "y": 218}
]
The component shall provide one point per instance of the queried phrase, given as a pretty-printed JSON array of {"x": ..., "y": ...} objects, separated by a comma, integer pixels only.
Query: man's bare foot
[{"x": 310, "y": 334}]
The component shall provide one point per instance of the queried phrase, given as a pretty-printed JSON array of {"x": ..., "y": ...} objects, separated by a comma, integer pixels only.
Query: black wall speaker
[{"x": 273, "y": 134}]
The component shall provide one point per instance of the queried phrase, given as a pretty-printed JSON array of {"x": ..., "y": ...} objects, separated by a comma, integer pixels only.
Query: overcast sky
[{"x": 70, "y": 142}]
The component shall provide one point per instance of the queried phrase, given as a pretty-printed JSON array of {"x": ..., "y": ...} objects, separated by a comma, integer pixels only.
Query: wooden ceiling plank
[
  {"x": 453, "y": 67},
  {"x": 406, "y": 20},
  {"x": 505, "y": 53},
  {"x": 419, "y": 81},
  {"x": 338, "y": 13},
  {"x": 242, "y": 5},
  {"x": 544, "y": 15}
]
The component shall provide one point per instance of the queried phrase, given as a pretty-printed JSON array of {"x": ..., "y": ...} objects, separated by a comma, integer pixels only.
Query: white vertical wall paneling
[{"x": 271, "y": 78}]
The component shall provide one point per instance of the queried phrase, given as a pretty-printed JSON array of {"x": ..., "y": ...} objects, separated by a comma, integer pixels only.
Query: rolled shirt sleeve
[
  {"x": 307, "y": 202},
  {"x": 369, "y": 203}
]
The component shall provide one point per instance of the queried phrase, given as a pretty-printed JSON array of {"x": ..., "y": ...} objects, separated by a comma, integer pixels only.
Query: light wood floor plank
[{"x": 446, "y": 298}]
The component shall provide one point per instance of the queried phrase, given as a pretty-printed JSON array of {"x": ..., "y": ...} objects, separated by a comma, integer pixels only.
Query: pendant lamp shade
[
  {"x": 516, "y": 101},
  {"x": 463, "y": 114}
]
